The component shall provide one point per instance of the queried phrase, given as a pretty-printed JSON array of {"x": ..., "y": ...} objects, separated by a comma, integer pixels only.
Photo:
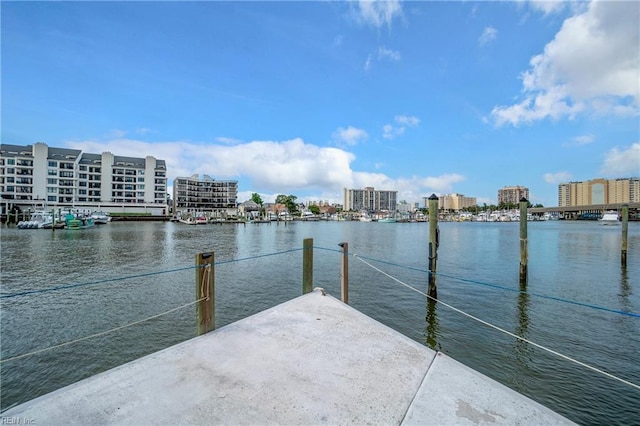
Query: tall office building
[
  {"x": 369, "y": 199},
  {"x": 61, "y": 177},
  {"x": 599, "y": 191},
  {"x": 204, "y": 195}
]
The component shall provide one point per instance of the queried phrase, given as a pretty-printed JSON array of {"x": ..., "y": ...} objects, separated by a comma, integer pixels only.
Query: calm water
[{"x": 579, "y": 261}]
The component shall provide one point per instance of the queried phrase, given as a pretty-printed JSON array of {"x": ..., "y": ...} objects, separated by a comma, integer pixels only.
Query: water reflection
[
  {"x": 522, "y": 350},
  {"x": 432, "y": 325}
]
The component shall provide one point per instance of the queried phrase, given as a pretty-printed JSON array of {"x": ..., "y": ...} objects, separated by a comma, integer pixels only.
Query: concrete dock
[{"x": 310, "y": 361}]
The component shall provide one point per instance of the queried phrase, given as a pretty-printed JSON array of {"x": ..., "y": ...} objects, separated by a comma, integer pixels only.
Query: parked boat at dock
[
  {"x": 39, "y": 220},
  {"x": 100, "y": 217},
  {"x": 78, "y": 221},
  {"x": 610, "y": 218}
]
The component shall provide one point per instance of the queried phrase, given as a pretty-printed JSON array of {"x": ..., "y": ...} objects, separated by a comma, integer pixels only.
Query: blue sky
[{"x": 307, "y": 98}]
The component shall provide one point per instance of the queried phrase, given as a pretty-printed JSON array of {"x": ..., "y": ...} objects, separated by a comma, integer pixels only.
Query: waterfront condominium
[
  {"x": 37, "y": 175},
  {"x": 599, "y": 191},
  {"x": 453, "y": 202},
  {"x": 512, "y": 194},
  {"x": 204, "y": 194},
  {"x": 369, "y": 199}
]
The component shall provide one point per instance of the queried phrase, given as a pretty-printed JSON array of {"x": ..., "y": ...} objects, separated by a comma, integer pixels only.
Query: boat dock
[{"x": 310, "y": 361}]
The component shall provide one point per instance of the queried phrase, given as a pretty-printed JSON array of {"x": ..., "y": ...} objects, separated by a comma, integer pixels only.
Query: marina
[{"x": 477, "y": 272}]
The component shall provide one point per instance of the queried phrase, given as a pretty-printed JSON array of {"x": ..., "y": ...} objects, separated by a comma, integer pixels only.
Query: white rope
[
  {"x": 99, "y": 334},
  {"x": 495, "y": 327}
]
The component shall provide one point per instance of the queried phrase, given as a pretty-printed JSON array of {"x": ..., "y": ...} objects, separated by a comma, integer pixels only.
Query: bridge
[{"x": 574, "y": 212}]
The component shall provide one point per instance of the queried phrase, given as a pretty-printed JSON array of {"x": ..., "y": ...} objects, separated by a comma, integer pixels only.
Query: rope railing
[
  {"x": 495, "y": 327},
  {"x": 362, "y": 258},
  {"x": 102, "y": 333},
  {"x": 147, "y": 274},
  {"x": 500, "y": 287}
]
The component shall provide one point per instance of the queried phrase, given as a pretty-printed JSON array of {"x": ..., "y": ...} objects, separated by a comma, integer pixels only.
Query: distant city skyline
[{"x": 308, "y": 98}]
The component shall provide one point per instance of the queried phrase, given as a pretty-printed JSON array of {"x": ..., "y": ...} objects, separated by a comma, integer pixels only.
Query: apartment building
[
  {"x": 204, "y": 194},
  {"x": 599, "y": 191},
  {"x": 369, "y": 199},
  {"x": 512, "y": 194},
  {"x": 65, "y": 178},
  {"x": 454, "y": 202}
]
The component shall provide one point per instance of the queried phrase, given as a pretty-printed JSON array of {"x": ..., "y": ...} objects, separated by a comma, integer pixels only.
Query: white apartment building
[
  {"x": 43, "y": 176},
  {"x": 369, "y": 199},
  {"x": 205, "y": 194}
]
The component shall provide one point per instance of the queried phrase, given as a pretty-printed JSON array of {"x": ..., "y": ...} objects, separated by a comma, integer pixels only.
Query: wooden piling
[
  {"x": 433, "y": 245},
  {"x": 344, "y": 273},
  {"x": 205, "y": 290},
  {"x": 625, "y": 232},
  {"x": 307, "y": 265},
  {"x": 524, "y": 256}
]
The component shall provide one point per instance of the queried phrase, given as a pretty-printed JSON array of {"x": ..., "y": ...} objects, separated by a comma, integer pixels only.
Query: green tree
[
  {"x": 314, "y": 209},
  {"x": 255, "y": 197},
  {"x": 289, "y": 201}
]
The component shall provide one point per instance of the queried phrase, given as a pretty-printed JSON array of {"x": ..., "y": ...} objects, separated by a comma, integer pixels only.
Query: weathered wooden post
[
  {"x": 307, "y": 265},
  {"x": 205, "y": 292},
  {"x": 625, "y": 232},
  {"x": 344, "y": 273},
  {"x": 433, "y": 245},
  {"x": 53, "y": 220},
  {"x": 523, "y": 240}
]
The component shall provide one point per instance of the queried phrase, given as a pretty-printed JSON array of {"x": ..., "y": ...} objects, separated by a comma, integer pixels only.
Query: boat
[
  {"x": 39, "y": 219},
  {"x": 78, "y": 221},
  {"x": 100, "y": 217},
  {"x": 610, "y": 218},
  {"x": 387, "y": 219},
  {"x": 201, "y": 219}
]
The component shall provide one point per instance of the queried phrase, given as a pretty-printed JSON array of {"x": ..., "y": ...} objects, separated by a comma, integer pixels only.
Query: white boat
[
  {"x": 100, "y": 217},
  {"x": 39, "y": 219},
  {"x": 610, "y": 218}
]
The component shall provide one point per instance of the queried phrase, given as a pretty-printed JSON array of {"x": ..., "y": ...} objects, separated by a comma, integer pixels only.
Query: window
[
  {"x": 83, "y": 168},
  {"x": 140, "y": 179},
  {"x": 52, "y": 172},
  {"x": 51, "y": 198},
  {"x": 11, "y": 161},
  {"x": 53, "y": 164},
  {"x": 11, "y": 171},
  {"x": 52, "y": 181}
]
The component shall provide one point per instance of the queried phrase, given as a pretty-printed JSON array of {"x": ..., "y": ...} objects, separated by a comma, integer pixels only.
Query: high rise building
[
  {"x": 61, "y": 177},
  {"x": 204, "y": 194},
  {"x": 512, "y": 194},
  {"x": 599, "y": 191},
  {"x": 455, "y": 202},
  {"x": 369, "y": 199}
]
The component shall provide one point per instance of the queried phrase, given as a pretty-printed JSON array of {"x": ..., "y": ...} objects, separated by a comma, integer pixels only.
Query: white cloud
[
  {"x": 228, "y": 141},
  {"x": 392, "y": 55},
  {"x": 591, "y": 66},
  {"x": 488, "y": 35},
  {"x": 349, "y": 136},
  {"x": 584, "y": 139},
  {"x": 378, "y": 13},
  {"x": 547, "y": 6},
  {"x": 556, "y": 178},
  {"x": 272, "y": 167},
  {"x": 622, "y": 162},
  {"x": 383, "y": 54},
  {"x": 402, "y": 122}
]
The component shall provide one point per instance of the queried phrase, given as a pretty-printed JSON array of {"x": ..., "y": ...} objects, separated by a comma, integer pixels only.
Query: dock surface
[{"x": 310, "y": 361}]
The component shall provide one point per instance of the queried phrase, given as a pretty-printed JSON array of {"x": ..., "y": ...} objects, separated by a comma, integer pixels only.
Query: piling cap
[
  {"x": 523, "y": 200},
  {"x": 433, "y": 197}
]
